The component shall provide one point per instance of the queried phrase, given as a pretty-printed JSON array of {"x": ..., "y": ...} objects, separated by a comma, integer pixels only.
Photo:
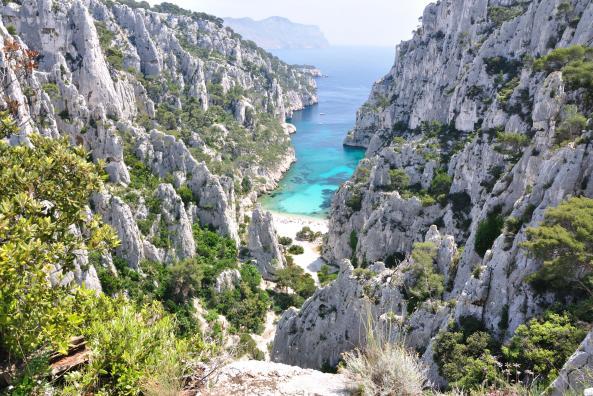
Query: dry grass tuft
[{"x": 384, "y": 366}]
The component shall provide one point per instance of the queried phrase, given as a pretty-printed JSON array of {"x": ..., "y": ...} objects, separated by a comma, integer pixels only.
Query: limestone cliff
[
  {"x": 174, "y": 103},
  {"x": 437, "y": 130}
]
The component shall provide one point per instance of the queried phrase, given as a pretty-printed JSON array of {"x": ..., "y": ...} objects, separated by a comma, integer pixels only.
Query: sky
[{"x": 344, "y": 22}]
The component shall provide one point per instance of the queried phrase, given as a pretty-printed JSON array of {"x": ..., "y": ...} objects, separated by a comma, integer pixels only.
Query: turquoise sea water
[{"x": 322, "y": 162}]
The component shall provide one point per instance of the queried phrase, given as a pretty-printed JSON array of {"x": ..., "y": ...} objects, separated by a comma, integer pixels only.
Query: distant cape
[{"x": 278, "y": 33}]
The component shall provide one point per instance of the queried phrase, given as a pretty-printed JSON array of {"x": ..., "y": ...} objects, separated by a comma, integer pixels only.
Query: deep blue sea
[{"x": 322, "y": 162}]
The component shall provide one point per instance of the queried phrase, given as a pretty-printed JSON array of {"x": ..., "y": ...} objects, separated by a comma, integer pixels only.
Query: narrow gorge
[{"x": 165, "y": 228}]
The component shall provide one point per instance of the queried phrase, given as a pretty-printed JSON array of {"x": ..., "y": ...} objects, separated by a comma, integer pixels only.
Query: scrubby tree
[
  {"x": 564, "y": 241},
  {"x": 400, "y": 180},
  {"x": 426, "y": 282},
  {"x": 571, "y": 125}
]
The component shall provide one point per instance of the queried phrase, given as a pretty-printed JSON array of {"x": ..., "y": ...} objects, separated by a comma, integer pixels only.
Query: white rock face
[
  {"x": 259, "y": 378},
  {"x": 577, "y": 372},
  {"x": 177, "y": 221},
  {"x": 227, "y": 280},
  {"x": 335, "y": 318},
  {"x": 97, "y": 83},
  {"x": 117, "y": 214},
  {"x": 437, "y": 112},
  {"x": 263, "y": 244}
]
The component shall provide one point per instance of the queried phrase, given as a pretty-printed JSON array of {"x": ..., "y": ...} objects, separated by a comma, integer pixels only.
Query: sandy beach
[{"x": 288, "y": 225}]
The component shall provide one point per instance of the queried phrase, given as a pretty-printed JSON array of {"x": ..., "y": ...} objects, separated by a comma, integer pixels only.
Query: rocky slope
[
  {"x": 463, "y": 129},
  {"x": 176, "y": 104},
  {"x": 278, "y": 33}
]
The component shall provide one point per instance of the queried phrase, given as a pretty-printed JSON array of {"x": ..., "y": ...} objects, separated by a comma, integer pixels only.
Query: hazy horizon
[{"x": 381, "y": 23}]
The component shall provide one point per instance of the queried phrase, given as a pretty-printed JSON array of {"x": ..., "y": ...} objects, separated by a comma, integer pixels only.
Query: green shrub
[
  {"x": 500, "y": 65},
  {"x": 51, "y": 89},
  {"x": 131, "y": 348},
  {"x": 510, "y": 143},
  {"x": 363, "y": 274},
  {"x": 285, "y": 241},
  {"x": 354, "y": 200},
  {"x": 296, "y": 250},
  {"x": 295, "y": 278},
  {"x": 184, "y": 280},
  {"x": 505, "y": 93},
  {"x": 302, "y": 284},
  {"x": 115, "y": 57},
  {"x": 248, "y": 347},
  {"x": 426, "y": 281},
  {"x": 324, "y": 275},
  {"x": 141, "y": 177},
  {"x": 543, "y": 346},
  {"x": 246, "y": 185},
  {"x": 561, "y": 57},
  {"x": 400, "y": 180},
  {"x": 465, "y": 357},
  {"x": 571, "y": 126},
  {"x": 488, "y": 230},
  {"x": 46, "y": 188},
  {"x": 186, "y": 194},
  {"x": 575, "y": 62},
  {"x": 11, "y": 30},
  {"x": 499, "y": 15},
  {"x": 244, "y": 307},
  {"x": 441, "y": 184},
  {"x": 307, "y": 234}
]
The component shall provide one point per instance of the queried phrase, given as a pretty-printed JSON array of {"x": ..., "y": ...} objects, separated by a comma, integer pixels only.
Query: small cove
[{"x": 322, "y": 162}]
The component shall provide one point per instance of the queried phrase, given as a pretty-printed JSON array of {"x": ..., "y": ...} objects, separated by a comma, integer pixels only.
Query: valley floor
[{"x": 288, "y": 225}]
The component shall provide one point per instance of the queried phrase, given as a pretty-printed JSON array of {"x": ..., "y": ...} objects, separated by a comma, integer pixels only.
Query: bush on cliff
[
  {"x": 564, "y": 242},
  {"x": 426, "y": 281},
  {"x": 541, "y": 347}
]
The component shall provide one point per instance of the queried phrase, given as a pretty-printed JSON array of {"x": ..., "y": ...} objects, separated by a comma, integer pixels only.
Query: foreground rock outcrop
[
  {"x": 259, "y": 378},
  {"x": 577, "y": 373}
]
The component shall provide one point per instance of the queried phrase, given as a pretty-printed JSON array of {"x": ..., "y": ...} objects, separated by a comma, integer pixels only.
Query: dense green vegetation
[
  {"x": 465, "y": 356},
  {"x": 294, "y": 286},
  {"x": 542, "y": 346},
  {"x": 264, "y": 144},
  {"x": 176, "y": 284},
  {"x": 470, "y": 358},
  {"x": 134, "y": 347}
]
